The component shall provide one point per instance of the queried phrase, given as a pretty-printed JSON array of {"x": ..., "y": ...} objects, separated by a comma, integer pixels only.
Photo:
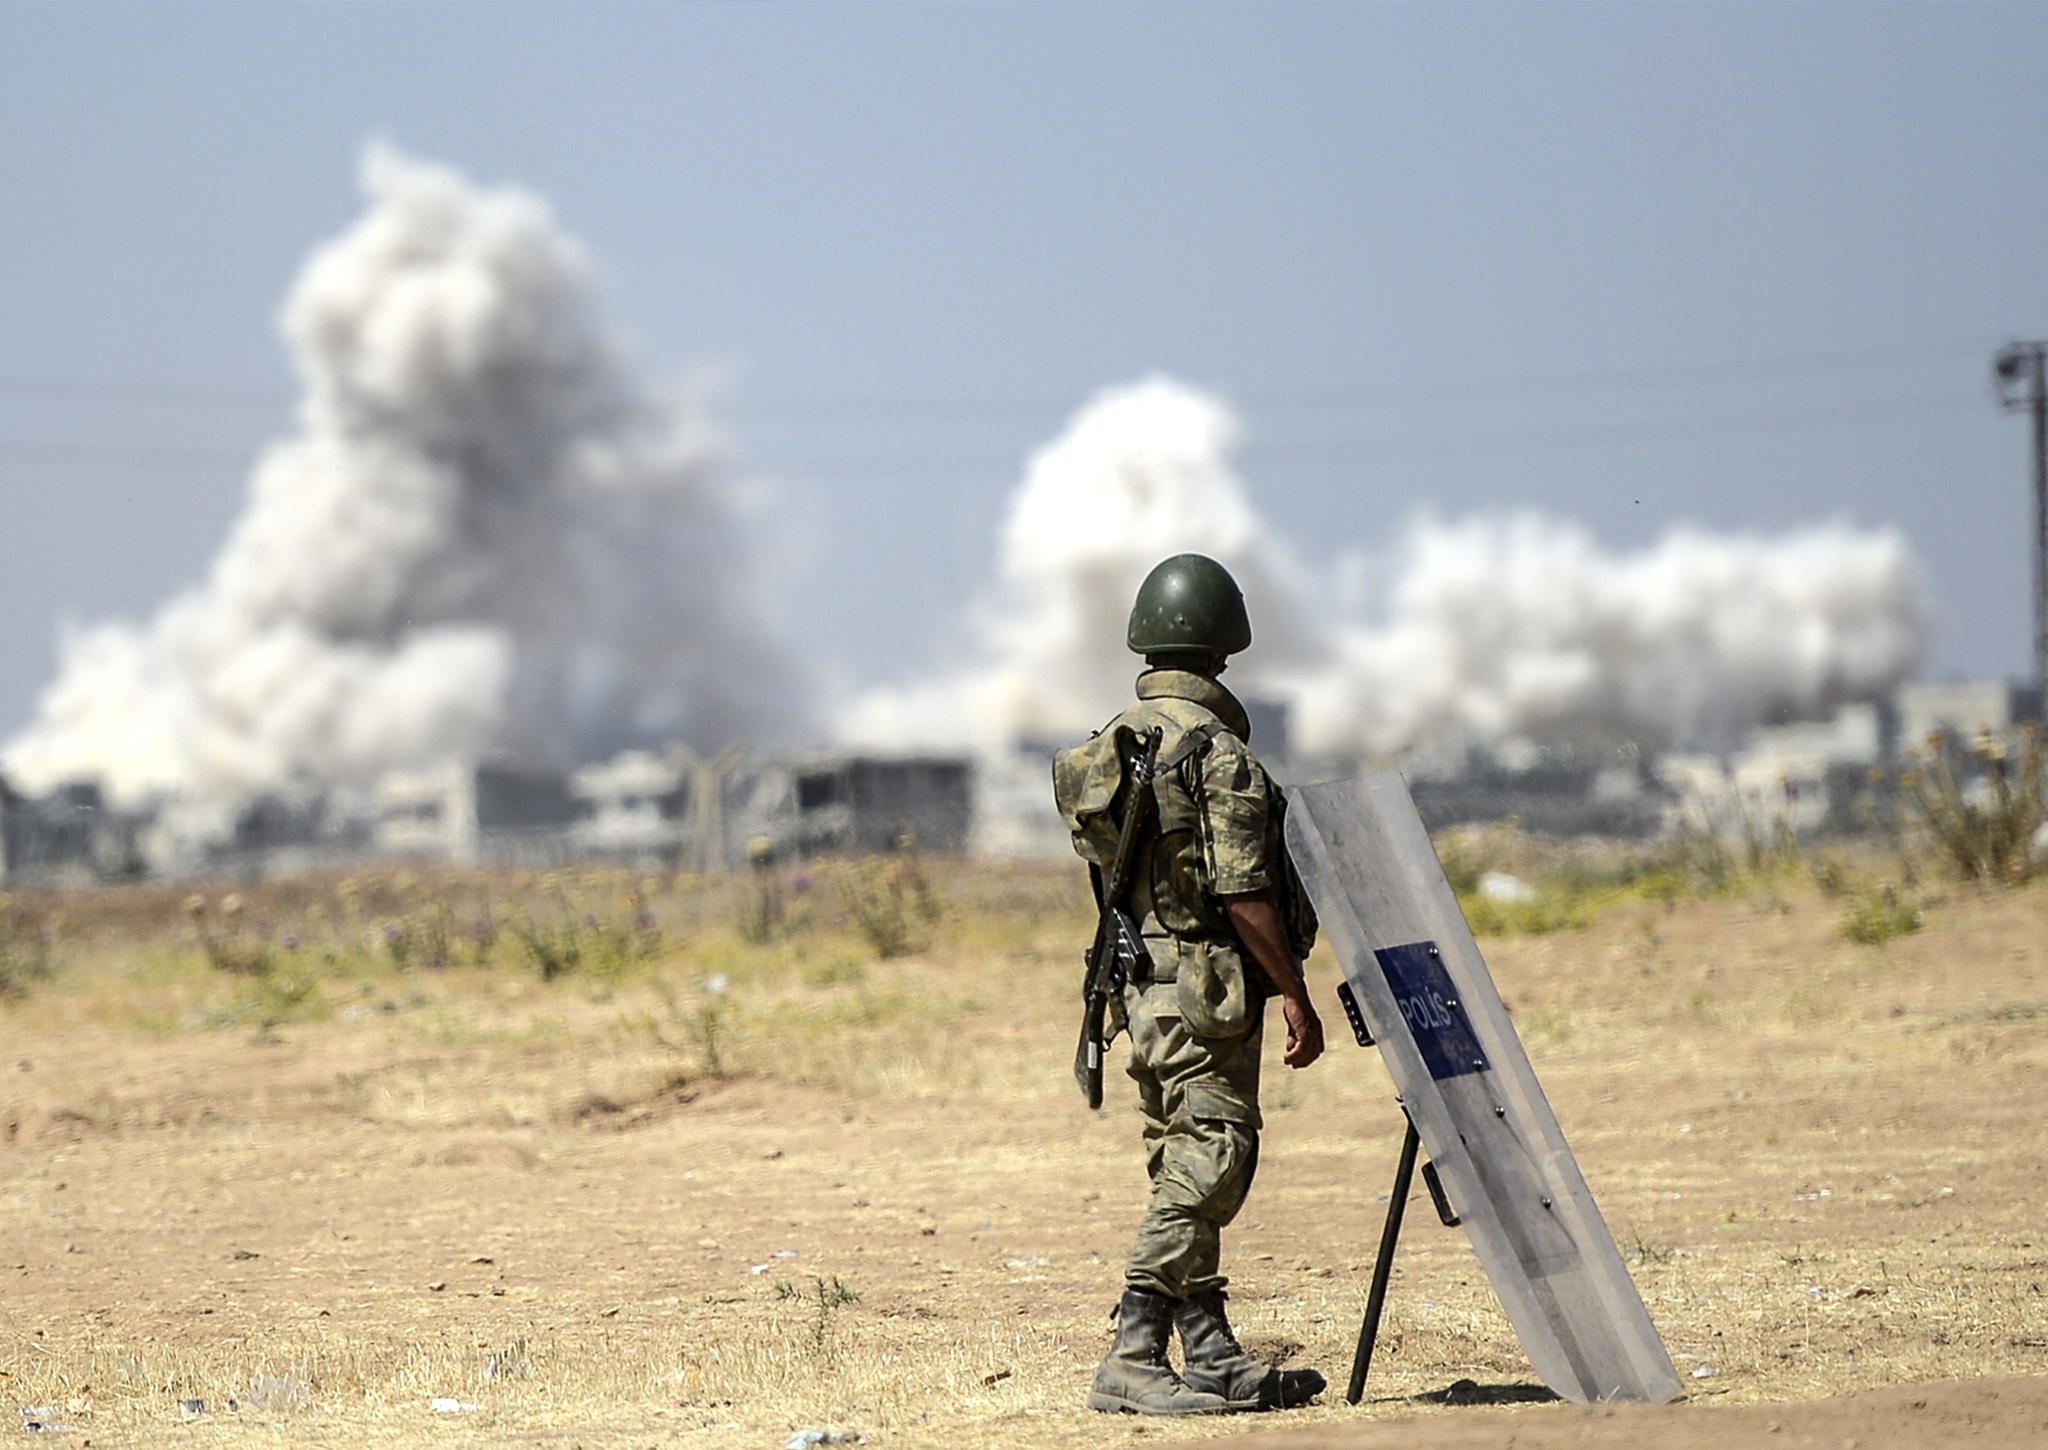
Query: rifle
[{"x": 1118, "y": 947}]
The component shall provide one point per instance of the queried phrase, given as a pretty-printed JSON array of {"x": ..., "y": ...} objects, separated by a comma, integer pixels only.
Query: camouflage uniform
[{"x": 1196, "y": 1027}]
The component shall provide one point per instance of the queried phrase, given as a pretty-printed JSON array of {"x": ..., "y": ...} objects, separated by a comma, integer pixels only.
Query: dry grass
[{"x": 547, "y": 1194}]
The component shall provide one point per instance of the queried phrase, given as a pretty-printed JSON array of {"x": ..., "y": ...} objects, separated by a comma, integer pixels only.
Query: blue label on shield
[{"x": 1429, "y": 1003}]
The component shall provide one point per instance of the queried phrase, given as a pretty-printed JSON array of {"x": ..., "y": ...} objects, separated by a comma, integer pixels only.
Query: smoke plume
[
  {"x": 1480, "y": 628},
  {"x": 489, "y": 534},
  {"x": 1526, "y": 625},
  {"x": 1140, "y": 472}
]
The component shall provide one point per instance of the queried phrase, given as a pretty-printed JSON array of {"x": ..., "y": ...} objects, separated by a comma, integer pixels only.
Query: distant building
[
  {"x": 272, "y": 836},
  {"x": 1960, "y": 711},
  {"x": 857, "y": 804},
  {"x": 1554, "y": 790},
  {"x": 474, "y": 813},
  {"x": 1014, "y": 815},
  {"x": 1810, "y": 778},
  {"x": 633, "y": 807},
  {"x": 69, "y": 837}
]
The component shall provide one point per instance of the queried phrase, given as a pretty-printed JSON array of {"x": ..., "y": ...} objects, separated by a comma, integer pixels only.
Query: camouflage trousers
[{"x": 1200, "y": 1102}]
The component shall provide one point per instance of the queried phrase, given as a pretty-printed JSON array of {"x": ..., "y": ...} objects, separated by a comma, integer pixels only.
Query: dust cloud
[
  {"x": 1479, "y": 628},
  {"x": 490, "y": 534}
]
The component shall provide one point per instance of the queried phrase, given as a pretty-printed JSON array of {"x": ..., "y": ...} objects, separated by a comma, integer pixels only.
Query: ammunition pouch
[
  {"x": 1217, "y": 996},
  {"x": 1216, "y": 999}
]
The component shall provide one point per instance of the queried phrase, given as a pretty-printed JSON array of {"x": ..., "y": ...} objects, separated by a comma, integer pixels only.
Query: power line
[
  {"x": 145, "y": 392},
  {"x": 1257, "y": 455},
  {"x": 1443, "y": 392},
  {"x": 99, "y": 455},
  {"x": 1615, "y": 380},
  {"x": 157, "y": 393},
  {"x": 1672, "y": 430}
]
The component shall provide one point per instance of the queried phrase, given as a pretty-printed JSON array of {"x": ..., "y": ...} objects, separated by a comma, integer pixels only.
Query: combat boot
[
  {"x": 1216, "y": 1363},
  {"x": 1135, "y": 1375}
]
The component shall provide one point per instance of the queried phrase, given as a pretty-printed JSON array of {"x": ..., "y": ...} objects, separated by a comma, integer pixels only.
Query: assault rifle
[{"x": 1118, "y": 947}]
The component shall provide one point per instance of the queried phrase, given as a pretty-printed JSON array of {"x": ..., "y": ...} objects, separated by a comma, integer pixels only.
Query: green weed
[
  {"x": 1642, "y": 1251},
  {"x": 1546, "y": 913},
  {"x": 1877, "y": 916},
  {"x": 574, "y": 934},
  {"x": 420, "y": 939},
  {"x": 270, "y": 999},
  {"x": 836, "y": 969},
  {"x": 705, "y": 1024},
  {"x": 1461, "y": 863},
  {"x": 708, "y": 1029},
  {"x": 825, "y": 1296}
]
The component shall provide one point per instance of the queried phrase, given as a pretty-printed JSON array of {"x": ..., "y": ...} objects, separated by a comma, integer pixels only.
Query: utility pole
[{"x": 2021, "y": 372}]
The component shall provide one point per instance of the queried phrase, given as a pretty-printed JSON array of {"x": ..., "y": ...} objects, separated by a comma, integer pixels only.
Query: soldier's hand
[{"x": 1304, "y": 1031}]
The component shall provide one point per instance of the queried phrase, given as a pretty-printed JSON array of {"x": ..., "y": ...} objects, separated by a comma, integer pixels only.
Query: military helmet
[{"x": 1189, "y": 604}]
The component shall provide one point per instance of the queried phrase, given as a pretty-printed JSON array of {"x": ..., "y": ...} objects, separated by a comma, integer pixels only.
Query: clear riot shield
[{"x": 1417, "y": 978}]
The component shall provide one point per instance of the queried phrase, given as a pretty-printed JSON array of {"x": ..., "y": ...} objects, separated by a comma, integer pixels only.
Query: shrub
[
  {"x": 1983, "y": 825},
  {"x": 226, "y": 937},
  {"x": 891, "y": 902},
  {"x": 760, "y": 913},
  {"x": 26, "y": 949},
  {"x": 576, "y": 935}
]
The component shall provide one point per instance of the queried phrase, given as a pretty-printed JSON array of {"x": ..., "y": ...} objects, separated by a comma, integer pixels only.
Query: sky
[{"x": 1736, "y": 266}]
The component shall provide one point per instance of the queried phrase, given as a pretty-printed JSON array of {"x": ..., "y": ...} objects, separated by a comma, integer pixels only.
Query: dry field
[{"x": 626, "y": 1162}]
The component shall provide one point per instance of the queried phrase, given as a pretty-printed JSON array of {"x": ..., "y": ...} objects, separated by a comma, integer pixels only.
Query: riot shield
[{"x": 1415, "y": 975}]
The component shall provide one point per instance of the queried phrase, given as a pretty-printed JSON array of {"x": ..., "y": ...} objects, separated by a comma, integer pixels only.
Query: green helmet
[{"x": 1189, "y": 605}]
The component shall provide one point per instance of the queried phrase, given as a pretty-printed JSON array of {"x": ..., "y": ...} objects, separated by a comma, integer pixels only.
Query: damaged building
[
  {"x": 472, "y": 814},
  {"x": 67, "y": 838},
  {"x": 677, "y": 809},
  {"x": 671, "y": 809},
  {"x": 1820, "y": 777},
  {"x": 1839, "y": 776},
  {"x": 856, "y": 805},
  {"x": 1555, "y": 790}
]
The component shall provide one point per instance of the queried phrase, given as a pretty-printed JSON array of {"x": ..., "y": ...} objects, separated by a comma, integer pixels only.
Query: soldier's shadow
[{"x": 1471, "y": 1392}]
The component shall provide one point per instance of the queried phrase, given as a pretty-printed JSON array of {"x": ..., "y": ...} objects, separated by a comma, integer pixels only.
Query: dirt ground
[
  {"x": 1991, "y": 1412},
  {"x": 737, "y": 1190}
]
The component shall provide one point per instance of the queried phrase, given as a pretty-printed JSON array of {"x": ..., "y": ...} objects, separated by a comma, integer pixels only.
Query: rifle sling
[
  {"x": 1189, "y": 745},
  {"x": 1186, "y": 748}
]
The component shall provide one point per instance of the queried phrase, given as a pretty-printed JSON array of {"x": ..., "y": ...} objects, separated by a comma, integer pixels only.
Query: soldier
[{"x": 1225, "y": 924}]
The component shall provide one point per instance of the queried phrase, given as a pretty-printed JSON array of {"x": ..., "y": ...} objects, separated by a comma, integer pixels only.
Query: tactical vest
[{"x": 1172, "y": 895}]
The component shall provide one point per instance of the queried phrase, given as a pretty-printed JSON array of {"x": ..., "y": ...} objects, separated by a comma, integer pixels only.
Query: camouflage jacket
[{"x": 1220, "y": 815}]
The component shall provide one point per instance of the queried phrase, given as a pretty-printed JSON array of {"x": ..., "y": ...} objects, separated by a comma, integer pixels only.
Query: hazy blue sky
[{"x": 1385, "y": 231}]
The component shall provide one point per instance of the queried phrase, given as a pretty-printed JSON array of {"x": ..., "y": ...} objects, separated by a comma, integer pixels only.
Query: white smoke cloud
[
  {"x": 489, "y": 535},
  {"x": 1526, "y": 625},
  {"x": 1486, "y": 627},
  {"x": 1139, "y": 473}
]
